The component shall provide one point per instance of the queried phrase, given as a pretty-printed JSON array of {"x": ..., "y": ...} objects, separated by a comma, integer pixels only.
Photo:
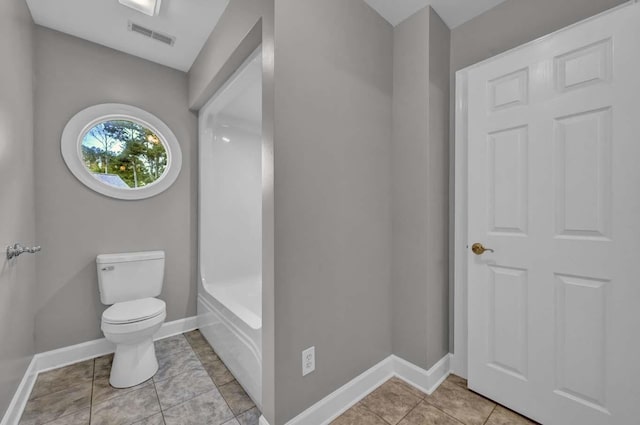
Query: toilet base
[{"x": 133, "y": 364}]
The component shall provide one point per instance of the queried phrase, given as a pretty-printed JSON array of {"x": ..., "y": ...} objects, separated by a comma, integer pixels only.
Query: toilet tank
[{"x": 130, "y": 276}]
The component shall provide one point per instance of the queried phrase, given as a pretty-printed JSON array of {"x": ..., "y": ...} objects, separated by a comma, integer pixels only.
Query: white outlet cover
[{"x": 308, "y": 361}]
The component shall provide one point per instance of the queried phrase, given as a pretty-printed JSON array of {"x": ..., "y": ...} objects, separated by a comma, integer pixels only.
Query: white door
[{"x": 554, "y": 189}]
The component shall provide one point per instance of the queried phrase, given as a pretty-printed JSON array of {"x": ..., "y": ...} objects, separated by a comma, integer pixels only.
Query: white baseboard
[
  {"x": 19, "y": 401},
  {"x": 73, "y": 354},
  {"x": 346, "y": 396},
  {"x": 177, "y": 327},
  {"x": 99, "y": 347},
  {"x": 336, "y": 403},
  {"x": 426, "y": 380},
  {"x": 54, "y": 359},
  {"x": 262, "y": 421}
]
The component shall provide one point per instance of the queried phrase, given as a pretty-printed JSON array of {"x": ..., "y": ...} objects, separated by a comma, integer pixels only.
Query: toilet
[{"x": 129, "y": 282}]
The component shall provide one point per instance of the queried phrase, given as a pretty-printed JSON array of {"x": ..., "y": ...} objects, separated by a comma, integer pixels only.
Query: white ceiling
[
  {"x": 106, "y": 22},
  {"x": 453, "y": 12}
]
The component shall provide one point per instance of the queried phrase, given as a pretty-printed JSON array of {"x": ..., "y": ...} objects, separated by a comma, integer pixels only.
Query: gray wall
[
  {"x": 73, "y": 223},
  {"x": 334, "y": 83},
  {"x": 410, "y": 194},
  {"x": 234, "y": 37},
  {"x": 516, "y": 22},
  {"x": 419, "y": 158},
  {"x": 438, "y": 186},
  {"x": 333, "y": 194},
  {"x": 17, "y": 277}
]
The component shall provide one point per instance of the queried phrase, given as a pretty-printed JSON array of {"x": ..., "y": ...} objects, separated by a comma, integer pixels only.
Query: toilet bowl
[
  {"x": 130, "y": 326},
  {"x": 129, "y": 283}
]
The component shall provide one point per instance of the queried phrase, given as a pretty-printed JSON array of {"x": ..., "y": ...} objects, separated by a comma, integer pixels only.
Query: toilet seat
[{"x": 135, "y": 311}]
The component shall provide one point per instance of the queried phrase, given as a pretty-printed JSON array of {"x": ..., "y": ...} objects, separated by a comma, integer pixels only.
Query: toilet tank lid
[{"x": 129, "y": 256}]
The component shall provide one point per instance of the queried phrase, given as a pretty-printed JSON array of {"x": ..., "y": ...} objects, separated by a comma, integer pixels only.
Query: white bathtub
[{"x": 230, "y": 318}]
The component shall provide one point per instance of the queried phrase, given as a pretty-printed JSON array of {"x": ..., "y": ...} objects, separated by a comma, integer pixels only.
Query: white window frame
[{"x": 83, "y": 121}]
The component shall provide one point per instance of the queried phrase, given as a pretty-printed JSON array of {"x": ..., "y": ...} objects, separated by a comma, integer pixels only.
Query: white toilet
[{"x": 130, "y": 281}]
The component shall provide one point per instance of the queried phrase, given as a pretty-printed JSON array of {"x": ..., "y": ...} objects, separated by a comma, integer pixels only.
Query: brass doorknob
[{"x": 479, "y": 249}]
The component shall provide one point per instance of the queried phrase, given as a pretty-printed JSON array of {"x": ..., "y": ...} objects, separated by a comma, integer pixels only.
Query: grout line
[
  {"x": 158, "y": 398},
  {"x": 443, "y": 412},
  {"x": 226, "y": 383},
  {"x": 367, "y": 409},
  {"x": 492, "y": 410},
  {"x": 64, "y": 415},
  {"x": 410, "y": 410},
  {"x": 423, "y": 399},
  {"x": 93, "y": 383},
  {"x": 191, "y": 398}
]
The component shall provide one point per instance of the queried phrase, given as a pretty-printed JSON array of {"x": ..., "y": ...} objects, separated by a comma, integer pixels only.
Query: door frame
[{"x": 460, "y": 356}]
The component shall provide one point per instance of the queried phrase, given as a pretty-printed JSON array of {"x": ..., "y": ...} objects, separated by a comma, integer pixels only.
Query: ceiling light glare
[{"x": 148, "y": 7}]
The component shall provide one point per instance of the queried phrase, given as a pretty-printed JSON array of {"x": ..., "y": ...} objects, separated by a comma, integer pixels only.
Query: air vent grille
[{"x": 163, "y": 38}]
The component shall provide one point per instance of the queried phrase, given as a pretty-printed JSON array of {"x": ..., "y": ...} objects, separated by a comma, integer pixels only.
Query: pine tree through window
[{"x": 124, "y": 154}]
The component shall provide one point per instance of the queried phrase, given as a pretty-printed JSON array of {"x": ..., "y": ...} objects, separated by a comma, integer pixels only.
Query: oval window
[{"x": 121, "y": 151}]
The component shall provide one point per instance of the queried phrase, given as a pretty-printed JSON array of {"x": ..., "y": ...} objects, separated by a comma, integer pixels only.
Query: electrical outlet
[{"x": 308, "y": 360}]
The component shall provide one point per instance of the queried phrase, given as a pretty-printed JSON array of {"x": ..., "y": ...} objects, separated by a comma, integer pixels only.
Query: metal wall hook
[{"x": 18, "y": 249}]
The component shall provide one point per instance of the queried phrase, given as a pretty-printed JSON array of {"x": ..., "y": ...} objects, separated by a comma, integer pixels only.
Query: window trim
[{"x": 83, "y": 121}]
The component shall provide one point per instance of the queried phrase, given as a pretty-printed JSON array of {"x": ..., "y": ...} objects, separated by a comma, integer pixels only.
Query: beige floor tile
[
  {"x": 205, "y": 353},
  {"x": 180, "y": 388},
  {"x": 173, "y": 344},
  {"x": 62, "y": 378},
  {"x": 126, "y": 409},
  {"x": 236, "y": 397},
  {"x": 218, "y": 372},
  {"x": 50, "y": 407},
  {"x": 250, "y": 417},
  {"x": 103, "y": 391},
  {"x": 408, "y": 387},
  {"x": 392, "y": 400},
  {"x": 426, "y": 414},
  {"x": 209, "y": 408},
  {"x": 103, "y": 365},
  {"x": 80, "y": 418},
  {"x": 455, "y": 379},
  {"x": 156, "y": 419},
  {"x": 176, "y": 363},
  {"x": 358, "y": 415},
  {"x": 460, "y": 403},
  {"x": 502, "y": 416},
  {"x": 197, "y": 341}
]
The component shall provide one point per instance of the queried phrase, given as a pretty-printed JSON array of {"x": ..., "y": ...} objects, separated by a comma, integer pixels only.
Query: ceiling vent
[{"x": 163, "y": 38}]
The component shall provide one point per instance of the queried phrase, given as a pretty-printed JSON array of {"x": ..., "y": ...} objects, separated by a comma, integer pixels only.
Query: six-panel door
[{"x": 554, "y": 189}]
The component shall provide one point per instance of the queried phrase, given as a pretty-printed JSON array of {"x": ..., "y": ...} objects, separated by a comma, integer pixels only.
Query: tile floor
[
  {"x": 192, "y": 387},
  {"x": 398, "y": 403}
]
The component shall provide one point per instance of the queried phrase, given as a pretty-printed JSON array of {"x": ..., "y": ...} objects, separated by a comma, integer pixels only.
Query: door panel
[
  {"x": 583, "y": 175},
  {"x": 508, "y": 340},
  {"x": 553, "y": 164},
  {"x": 508, "y": 197},
  {"x": 581, "y": 337}
]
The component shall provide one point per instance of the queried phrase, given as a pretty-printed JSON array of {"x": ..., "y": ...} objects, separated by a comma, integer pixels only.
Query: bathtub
[
  {"x": 230, "y": 225},
  {"x": 230, "y": 318}
]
